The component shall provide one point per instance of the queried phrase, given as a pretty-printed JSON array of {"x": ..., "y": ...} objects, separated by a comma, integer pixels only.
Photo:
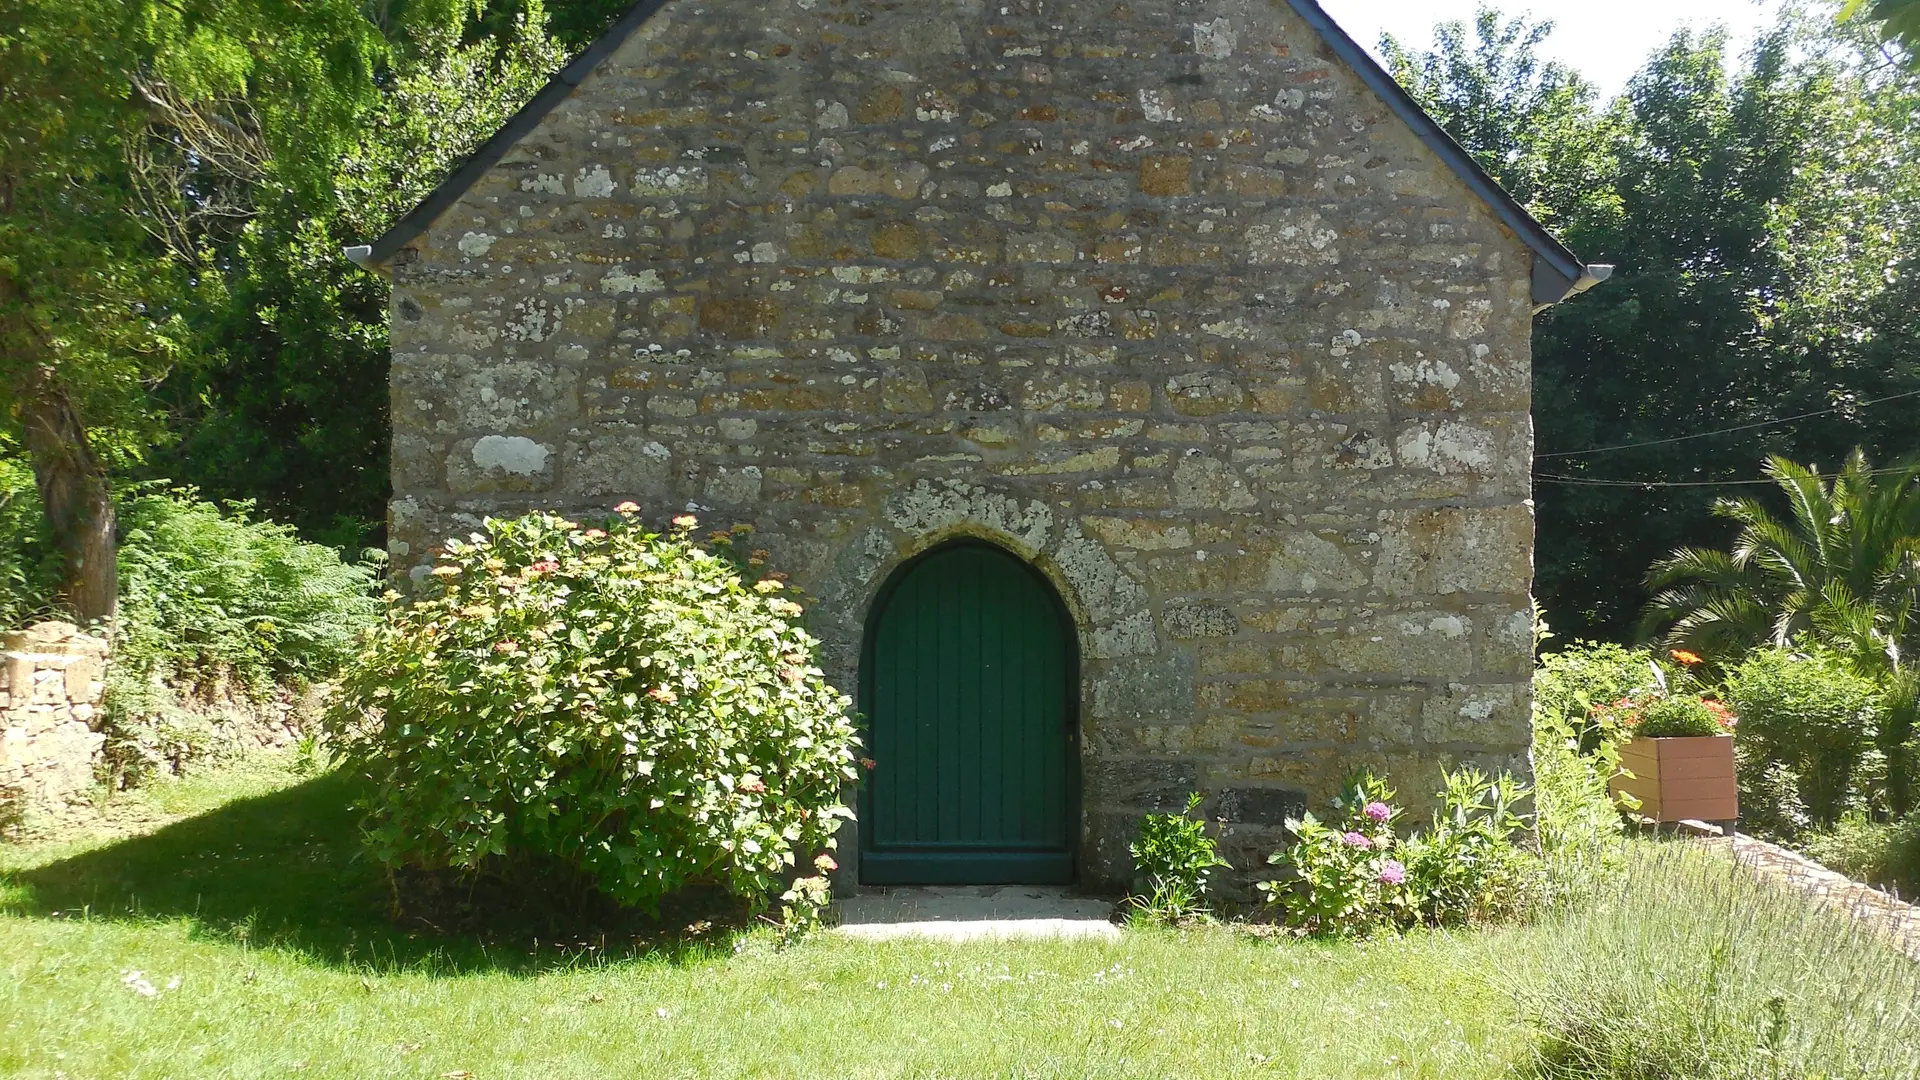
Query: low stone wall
[
  {"x": 1898, "y": 920},
  {"x": 50, "y": 690}
]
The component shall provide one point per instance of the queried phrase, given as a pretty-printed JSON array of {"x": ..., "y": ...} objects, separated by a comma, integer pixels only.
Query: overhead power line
[
  {"x": 1594, "y": 481},
  {"x": 1730, "y": 430}
]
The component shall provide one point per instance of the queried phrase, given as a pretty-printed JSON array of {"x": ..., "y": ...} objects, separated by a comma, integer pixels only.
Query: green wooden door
[{"x": 968, "y": 687}]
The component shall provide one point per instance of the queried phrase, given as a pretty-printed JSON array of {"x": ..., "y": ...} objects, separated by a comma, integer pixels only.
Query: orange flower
[
  {"x": 1684, "y": 658},
  {"x": 1721, "y": 714}
]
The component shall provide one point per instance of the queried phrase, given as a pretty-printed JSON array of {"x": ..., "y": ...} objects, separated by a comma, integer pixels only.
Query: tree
[
  {"x": 78, "y": 326},
  {"x": 1842, "y": 569},
  {"x": 1532, "y": 125},
  {"x": 1899, "y": 21},
  {"x": 1760, "y": 223},
  {"x": 289, "y": 408},
  {"x": 127, "y": 129}
]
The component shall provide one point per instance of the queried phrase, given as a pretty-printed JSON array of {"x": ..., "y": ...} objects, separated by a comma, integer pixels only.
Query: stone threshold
[{"x": 973, "y": 912}]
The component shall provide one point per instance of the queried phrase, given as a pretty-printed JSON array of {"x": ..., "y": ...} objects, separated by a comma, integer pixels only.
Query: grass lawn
[
  {"x": 261, "y": 946},
  {"x": 226, "y": 926}
]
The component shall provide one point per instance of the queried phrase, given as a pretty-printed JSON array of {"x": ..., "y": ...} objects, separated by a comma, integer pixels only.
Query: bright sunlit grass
[
  {"x": 250, "y": 939},
  {"x": 1156, "y": 1004}
]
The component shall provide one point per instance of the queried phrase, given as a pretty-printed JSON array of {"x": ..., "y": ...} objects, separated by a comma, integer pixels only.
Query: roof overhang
[{"x": 1557, "y": 272}]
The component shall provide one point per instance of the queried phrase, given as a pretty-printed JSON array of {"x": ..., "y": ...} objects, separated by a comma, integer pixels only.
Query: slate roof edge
[{"x": 1557, "y": 272}]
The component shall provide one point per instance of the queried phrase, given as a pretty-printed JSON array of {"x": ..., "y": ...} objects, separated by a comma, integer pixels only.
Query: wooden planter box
[{"x": 1681, "y": 779}]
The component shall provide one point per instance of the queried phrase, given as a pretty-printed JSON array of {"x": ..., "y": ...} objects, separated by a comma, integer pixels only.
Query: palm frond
[{"x": 1707, "y": 620}]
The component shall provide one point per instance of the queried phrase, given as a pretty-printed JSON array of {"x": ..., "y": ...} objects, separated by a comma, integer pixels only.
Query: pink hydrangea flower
[
  {"x": 1359, "y": 840},
  {"x": 1378, "y": 811},
  {"x": 1392, "y": 873}
]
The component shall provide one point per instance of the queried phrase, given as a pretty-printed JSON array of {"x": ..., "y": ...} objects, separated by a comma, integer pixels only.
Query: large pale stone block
[{"x": 1455, "y": 550}]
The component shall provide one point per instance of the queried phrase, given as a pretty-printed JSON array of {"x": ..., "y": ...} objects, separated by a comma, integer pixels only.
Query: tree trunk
[
  {"x": 73, "y": 487},
  {"x": 73, "y": 490}
]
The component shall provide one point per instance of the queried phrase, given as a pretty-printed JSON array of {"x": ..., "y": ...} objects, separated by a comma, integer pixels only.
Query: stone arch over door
[
  {"x": 969, "y": 690},
  {"x": 1127, "y": 678}
]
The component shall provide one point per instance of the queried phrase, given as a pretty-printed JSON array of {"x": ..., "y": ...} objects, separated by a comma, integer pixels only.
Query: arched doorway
[{"x": 969, "y": 681}]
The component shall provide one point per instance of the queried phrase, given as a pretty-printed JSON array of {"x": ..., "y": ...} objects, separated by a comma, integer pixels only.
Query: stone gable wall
[
  {"x": 1158, "y": 296},
  {"x": 50, "y": 690}
]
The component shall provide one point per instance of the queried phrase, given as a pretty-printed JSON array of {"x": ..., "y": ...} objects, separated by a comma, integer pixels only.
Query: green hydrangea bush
[{"x": 606, "y": 703}]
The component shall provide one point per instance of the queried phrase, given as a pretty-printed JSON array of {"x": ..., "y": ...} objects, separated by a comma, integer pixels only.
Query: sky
[{"x": 1607, "y": 40}]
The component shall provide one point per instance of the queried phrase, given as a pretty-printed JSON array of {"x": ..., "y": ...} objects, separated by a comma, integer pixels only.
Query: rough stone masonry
[
  {"x": 1167, "y": 298},
  {"x": 50, "y": 690}
]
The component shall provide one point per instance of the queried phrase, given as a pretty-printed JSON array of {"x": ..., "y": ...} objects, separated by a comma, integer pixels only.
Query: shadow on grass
[{"x": 286, "y": 871}]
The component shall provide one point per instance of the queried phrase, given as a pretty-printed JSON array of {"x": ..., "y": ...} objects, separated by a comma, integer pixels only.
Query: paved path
[
  {"x": 966, "y": 912},
  {"x": 1900, "y": 921}
]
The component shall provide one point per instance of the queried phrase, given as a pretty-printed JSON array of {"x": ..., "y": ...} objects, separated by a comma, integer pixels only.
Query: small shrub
[
  {"x": 1467, "y": 867},
  {"x": 211, "y": 595},
  {"x": 1576, "y": 815},
  {"x": 1770, "y": 803},
  {"x": 1174, "y": 858},
  {"x": 1570, "y": 683},
  {"x": 1805, "y": 709},
  {"x": 1883, "y": 853},
  {"x": 1576, "y": 752},
  {"x": 1353, "y": 875},
  {"x": 1348, "y": 878},
  {"x": 217, "y": 610},
  {"x": 603, "y": 708},
  {"x": 1663, "y": 715}
]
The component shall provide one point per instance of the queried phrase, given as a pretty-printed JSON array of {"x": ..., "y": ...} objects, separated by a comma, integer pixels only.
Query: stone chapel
[{"x": 1140, "y": 390}]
